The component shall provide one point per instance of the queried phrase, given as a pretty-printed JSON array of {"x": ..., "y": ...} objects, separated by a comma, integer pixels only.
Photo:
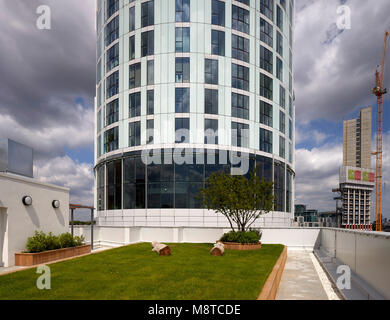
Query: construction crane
[{"x": 379, "y": 91}]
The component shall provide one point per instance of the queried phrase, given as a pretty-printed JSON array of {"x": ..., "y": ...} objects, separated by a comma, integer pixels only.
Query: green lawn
[{"x": 136, "y": 273}]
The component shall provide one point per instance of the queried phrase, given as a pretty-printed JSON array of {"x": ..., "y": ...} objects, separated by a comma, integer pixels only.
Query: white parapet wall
[
  {"x": 366, "y": 253},
  {"x": 18, "y": 221},
  {"x": 294, "y": 238}
]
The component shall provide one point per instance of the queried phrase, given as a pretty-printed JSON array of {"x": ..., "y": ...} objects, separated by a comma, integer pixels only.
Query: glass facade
[
  {"x": 172, "y": 185},
  {"x": 219, "y": 72}
]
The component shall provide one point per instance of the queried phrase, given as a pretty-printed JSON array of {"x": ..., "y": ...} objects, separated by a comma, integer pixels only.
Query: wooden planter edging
[
  {"x": 272, "y": 284},
  {"x": 32, "y": 259},
  {"x": 241, "y": 246}
]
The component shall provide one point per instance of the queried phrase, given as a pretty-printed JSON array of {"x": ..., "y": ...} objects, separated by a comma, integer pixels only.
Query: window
[
  {"x": 290, "y": 152},
  {"x": 266, "y": 86},
  {"x": 99, "y": 121},
  {"x": 290, "y": 130},
  {"x": 282, "y": 97},
  {"x": 112, "y": 31},
  {"x": 147, "y": 43},
  {"x": 182, "y": 39},
  {"x": 218, "y": 42},
  {"x": 266, "y": 59},
  {"x": 135, "y": 75},
  {"x": 182, "y": 70},
  {"x": 211, "y": 71},
  {"x": 132, "y": 19},
  {"x": 147, "y": 14},
  {"x": 279, "y": 17},
  {"x": 132, "y": 48},
  {"x": 112, "y": 85},
  {"x": 291, "y": 13},
  {"x": 240, "y": 106},
  {"x": 282, "y": 147},
  {"x": 150, "y": 131},
  {"x": 134, "y": 134},
  {"x": 100, "y": 187},
  {"x": 240, "y": 77},
  {"x": 112, "y": 57},
  {"x": 244, "y": 2},
  {"x": 150, "y": 72},
  {"x": 112, "y": 7},
  {"x": 266, "y": 33},
  {"x": 134, "y": 183},
  {"x": 218, "y": 13},
  {"x": 210, "y": 101},
  {"x": 211, "y": 131},
  {"x": 112, "y": 112},
  {"x": 279, "y": 43},
  {"x": 266, "y": 114},
  {"x": 150, "y": 102},
  {"x": 240, "y": 19},
  {"x": 240, "y": 135},
  {"x": 283, "y": 4},
  {"x": 182, "y": 10},
  {"x": 282, "y": 122},
  {"x": 290, "y": 109},
  {"x": 135, "y": 104},
  {"x": 267, "y": 8},
  {"x": 240, "y": 48},
  {"x": 279, "y": 69},
  {"x": 111, "y": 140},
  {"x": 114, "y": 185},
  {"x": 265, "y": 140},
  {"x": 182, "y": 127},
  {"x": 182, "y": 100}
]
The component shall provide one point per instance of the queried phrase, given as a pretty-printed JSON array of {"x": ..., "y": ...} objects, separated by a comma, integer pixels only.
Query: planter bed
[
  {"x": 241, "y": 246},
  {"x": 32, "y": 259}
]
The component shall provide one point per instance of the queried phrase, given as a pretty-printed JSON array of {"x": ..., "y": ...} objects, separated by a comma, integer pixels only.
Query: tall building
[
  {"x": 186, "y": 88},
  {"x": 357, "y": 140},
  {"x": 356, "y": 177}
]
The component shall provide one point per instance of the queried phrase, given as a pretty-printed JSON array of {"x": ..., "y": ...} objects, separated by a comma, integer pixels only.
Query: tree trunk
[
  {"x": 218, "y": 250},
  {"x": 161, "y": 249}
]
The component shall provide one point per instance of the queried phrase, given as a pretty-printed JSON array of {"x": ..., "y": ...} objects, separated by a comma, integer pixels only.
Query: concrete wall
[
  {"x": 366, "y": 253},
  {"x": 294, "y": 238},
  {"x": 18, "y": 222}
]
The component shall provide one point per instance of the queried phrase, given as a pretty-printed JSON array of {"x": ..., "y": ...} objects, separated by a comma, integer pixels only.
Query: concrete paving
[{"x": 300, "y": 280}]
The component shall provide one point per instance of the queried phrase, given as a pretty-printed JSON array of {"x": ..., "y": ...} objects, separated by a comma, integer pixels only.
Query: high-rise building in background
[
  {"x": 357, "y": 180},
  {"x": 189, "y": 81},
  {"x": 357, "y": 140}
]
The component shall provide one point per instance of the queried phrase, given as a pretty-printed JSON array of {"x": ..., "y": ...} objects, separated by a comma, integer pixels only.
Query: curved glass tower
[{"x": 186, "y": 88}]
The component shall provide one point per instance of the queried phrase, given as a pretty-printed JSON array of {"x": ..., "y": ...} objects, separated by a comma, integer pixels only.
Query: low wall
[
  {"x": 293, "y": 238},
  {"x": 366, "y": 253}
]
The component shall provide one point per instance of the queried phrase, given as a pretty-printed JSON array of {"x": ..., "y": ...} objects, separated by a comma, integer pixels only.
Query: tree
[{"x": 241, "y": 200}]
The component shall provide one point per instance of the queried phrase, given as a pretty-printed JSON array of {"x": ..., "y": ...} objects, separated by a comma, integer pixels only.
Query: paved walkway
[{"x": 303, "y": 280}]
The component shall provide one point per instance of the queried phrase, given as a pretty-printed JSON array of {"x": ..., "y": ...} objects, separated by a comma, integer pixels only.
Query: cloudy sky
[{"x": 47, "y": 87}]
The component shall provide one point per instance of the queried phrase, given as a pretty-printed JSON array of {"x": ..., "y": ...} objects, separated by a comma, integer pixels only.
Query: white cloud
[
  {"x": 63, "y": 171},
  {"x": 317, "y": 173},
  {"x": 303, "y": 134},
  {"x": 334, "y": 72},
  {"x": 52, "y": 139}
]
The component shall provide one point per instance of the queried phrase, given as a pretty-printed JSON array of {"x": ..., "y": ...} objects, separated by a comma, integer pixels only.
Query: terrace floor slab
[{"x": 300, "y": 279}]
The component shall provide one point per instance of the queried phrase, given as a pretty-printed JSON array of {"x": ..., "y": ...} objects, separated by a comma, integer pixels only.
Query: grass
[{"x": 136, "y": 273}]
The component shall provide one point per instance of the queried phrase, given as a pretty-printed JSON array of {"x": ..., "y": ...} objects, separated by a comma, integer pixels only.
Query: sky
[{"x": 47, "y": 87}]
